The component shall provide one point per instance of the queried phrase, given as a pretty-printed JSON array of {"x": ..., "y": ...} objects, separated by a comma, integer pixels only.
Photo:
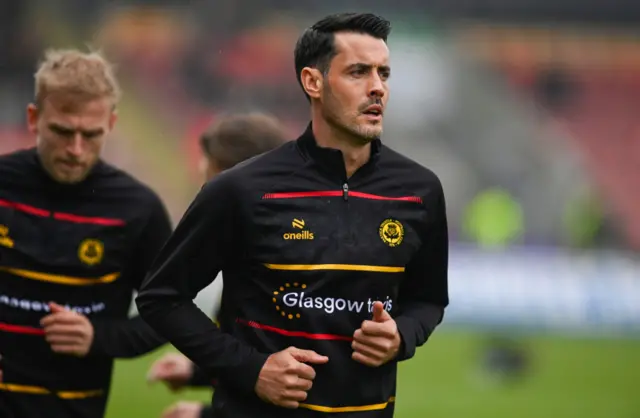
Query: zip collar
[{"x": 331, "y": 160}]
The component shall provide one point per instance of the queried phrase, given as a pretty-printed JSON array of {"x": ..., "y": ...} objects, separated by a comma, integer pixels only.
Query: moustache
[{"x": 374, "y": 102}]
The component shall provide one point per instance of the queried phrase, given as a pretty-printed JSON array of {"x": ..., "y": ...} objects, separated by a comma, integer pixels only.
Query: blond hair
[{"x": 86, "y": 76}]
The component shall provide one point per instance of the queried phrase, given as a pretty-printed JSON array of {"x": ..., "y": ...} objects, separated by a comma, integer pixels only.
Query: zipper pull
[{"x": 345, "y": 191}]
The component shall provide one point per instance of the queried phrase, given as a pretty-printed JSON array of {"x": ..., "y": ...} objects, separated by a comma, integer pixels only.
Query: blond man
[{"x": 76, "y": 238}]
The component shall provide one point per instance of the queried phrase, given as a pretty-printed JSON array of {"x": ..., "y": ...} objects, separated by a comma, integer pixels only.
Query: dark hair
[
  {"x": 316, "y": 46},
  {"x": 235, "y": 138}
]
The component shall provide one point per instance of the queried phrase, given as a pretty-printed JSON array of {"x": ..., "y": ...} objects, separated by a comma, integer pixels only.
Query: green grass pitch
[{"x": 579, "y": 378}]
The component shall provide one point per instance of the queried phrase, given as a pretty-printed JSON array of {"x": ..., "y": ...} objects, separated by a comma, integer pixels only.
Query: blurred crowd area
[{"x": 533, "y": 127}]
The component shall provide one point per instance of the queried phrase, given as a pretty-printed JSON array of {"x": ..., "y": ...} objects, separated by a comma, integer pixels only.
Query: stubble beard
[{"x": 347, "y": 122}]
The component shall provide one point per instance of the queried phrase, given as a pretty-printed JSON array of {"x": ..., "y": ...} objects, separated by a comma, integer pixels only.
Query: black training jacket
[
  {"x": 86, "y": 247},
  {"x": 304, "y": 252}
]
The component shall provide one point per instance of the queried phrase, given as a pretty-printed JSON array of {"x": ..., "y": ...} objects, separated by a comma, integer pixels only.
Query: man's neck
[{"x": 354, "y": 153}]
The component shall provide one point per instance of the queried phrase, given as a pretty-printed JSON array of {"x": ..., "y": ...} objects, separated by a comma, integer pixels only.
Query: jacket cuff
[
  {"x": 245, "y": 376},
  {"x": 97, "y": 345},
  {"x": 199, "y": 378},
  {"x": 407, "y": 338}
]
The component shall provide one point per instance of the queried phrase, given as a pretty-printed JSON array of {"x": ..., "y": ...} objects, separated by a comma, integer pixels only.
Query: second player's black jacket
[
  {"x": 84, "y": 246},
  {"x": 304, "y": 252},
  {"x": 200, "y": 379}
]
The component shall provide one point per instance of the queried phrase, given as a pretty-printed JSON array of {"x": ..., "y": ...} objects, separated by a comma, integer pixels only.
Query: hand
[
  {"x": 173, "y": 369},
  {"x": 285, "y": 379},
  {"x": 67, "y": 332},
  {"x": 183, "y": 409},
  {"x": 377, "y": 341}
]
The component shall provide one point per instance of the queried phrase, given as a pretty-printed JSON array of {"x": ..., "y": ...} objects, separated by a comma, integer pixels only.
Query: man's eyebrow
[
  {"x": 363, "y": 66},
  {"x": 60, "y": 128},
  {"x": 359, "y": 66},
  {"x": 65, "y": 129},
  {"x": 92, "y": 132}
]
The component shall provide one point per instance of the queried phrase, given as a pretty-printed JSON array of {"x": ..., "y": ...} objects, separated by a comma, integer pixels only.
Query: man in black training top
[
  {"x": 334, "y": 250},
  {"x": 226, "y": 143},
  {"x": 76, "y": 238}
]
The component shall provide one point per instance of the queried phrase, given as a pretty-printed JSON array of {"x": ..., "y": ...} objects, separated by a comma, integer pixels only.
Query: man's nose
[
  {"x": 76, "y": 145},
  {"x": 377, "y": 88}
]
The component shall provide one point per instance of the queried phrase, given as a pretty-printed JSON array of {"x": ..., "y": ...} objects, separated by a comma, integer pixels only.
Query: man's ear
[
  {"x": 33, "y": 114},
  {"x": 312, "y": 81},
  {"x": 112, "y": 119}
]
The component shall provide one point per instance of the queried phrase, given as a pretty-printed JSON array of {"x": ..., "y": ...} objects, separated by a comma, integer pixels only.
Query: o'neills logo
[
  {"x": 302, "y": 235},
  {"x": 298, "y": 235}
]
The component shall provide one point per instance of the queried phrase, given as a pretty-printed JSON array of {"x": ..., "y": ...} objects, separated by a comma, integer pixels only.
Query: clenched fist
[
  {"x": 173, "y": 369},
  {"x": 377, "y": 341},
  {"x": 67, "y": 332},
  {"x": 286, "y": 377}
]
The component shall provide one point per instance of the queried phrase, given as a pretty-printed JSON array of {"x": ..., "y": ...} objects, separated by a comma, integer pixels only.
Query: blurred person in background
[
  {"x": 20, "y": 47},
  {"x": 333, "y": 247},
  {"x": 226, "y": 143},
  {"x": 76, "y": 238}
]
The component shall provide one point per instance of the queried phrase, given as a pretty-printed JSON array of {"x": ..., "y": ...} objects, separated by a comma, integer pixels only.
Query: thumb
[
  {"x": 308, "y": 356},
  {"x": 379, "y": 313},
  {"x": 55, "y": 308}
]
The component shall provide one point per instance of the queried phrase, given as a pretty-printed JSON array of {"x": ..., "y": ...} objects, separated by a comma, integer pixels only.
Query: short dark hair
[
  {"x": 234, "y": 138},
  {"x": 316, "y": 46}
]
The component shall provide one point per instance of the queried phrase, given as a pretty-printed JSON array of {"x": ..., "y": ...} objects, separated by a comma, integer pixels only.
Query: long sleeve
[
  {"x": 132, "y": 337},
  {"x": 424, "y": 292},
  {"x": 200, "y": 378},
  {"x": 124, "y": 338},
  {"x": 204, "y": 243}
]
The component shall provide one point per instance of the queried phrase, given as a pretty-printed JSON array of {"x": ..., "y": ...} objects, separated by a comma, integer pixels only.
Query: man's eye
[{"x": 62, "y": 132}]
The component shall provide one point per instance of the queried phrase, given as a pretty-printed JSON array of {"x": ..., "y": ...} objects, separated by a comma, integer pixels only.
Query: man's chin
[
  {"x": 362, "y": 133},
  {"x": 69, "y": 178},
  {"x": 369, "y": 133}
]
